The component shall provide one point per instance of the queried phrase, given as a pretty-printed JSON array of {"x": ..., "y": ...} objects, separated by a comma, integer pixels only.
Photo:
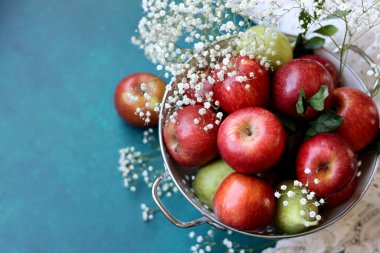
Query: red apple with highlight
[
  {"x": 249, "y": 87},
  {"x": 341, "y": 196},
  {"x": 134, "y": 93},
  {"x": 295, "y": 75},
  {"x": 251, "y": 140},
  {"x": 187, "y": 140},
  {"x": 360, "y": 114},
  {"x": 244, "y": 202},
  {"x": 326, "y": 163},
  {"x": 327, "y": 64}
]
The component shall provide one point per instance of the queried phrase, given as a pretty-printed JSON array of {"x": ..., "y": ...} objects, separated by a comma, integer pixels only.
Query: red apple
[
  {"x": 294, "y": 75},
  {"x": 136, "y": 98},
  {"x": 251, "y": 140},
  {"x": 244, "y": 202},
  {"x": 327, "y": 64},
  {"x": 341, "y": 196},
  {"x": 188, "y": 142},
  {"x": 248, "y": 87},
  {"x": 326, "y": 163},
  {"x": 361, "y": 117}
]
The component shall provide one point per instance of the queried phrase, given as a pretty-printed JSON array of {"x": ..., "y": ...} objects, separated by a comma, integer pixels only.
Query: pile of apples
[{"x": 248, "y": 160}]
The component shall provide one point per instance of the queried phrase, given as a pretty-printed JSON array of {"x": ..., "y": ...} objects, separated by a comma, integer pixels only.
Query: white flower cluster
[
  {"x": 359, "y": 16},
  {"x": 203, "y": 243},
  {"x": 129, "y": 159},
  {"x": 306, "y": 198},
  {"x": 148, "y": 136},
  {"x": 374, "y": 72},
  {"x": 147, "y": 212},
  {"x": 167, "y": 22},
  {"x": 150, "y": 106},
  {"x": 262, "y": 11},
  {"x": 209, "y": 243},
  {"x": 173, "y": 31},
  {"x": 135, "y": 167}
]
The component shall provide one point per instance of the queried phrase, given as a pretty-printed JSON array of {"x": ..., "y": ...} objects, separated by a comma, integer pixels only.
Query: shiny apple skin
[
  {"x": 341, "y": 196},
  {"x": 327, "y": 64},
  {"x": 251, "y": 140},
  {"x": 188, "y": 143},
  {"x": 330, "y": 159},
  {"x": 244, "y": 202},
  {"x": 294, "y": 75},
  {"x": 239, "y": 96},
  {"x": 361, "y": 117},
  {"x": 129, "y": 96}
]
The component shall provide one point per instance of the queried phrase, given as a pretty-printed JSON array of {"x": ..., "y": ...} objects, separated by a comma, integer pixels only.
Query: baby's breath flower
[
  {"x": 202, "y": 111},
  {"x": 290, "y": 194}
]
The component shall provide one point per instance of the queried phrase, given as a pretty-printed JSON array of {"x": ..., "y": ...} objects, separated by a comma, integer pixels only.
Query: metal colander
[{"x": 183, "y": 176}]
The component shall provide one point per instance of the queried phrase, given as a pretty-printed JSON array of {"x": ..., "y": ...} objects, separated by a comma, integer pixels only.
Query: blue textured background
[{"x": 60, "y": 190}]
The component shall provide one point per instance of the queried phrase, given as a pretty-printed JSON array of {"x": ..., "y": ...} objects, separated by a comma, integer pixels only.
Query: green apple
[
  {"x": 270, "y": 47},
  {"x": 208, "y": 179},
  {"x": 296, "y": 209}
]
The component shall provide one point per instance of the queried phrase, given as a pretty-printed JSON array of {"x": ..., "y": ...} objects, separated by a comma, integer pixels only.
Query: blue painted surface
[{"x": 60, "y": 190}]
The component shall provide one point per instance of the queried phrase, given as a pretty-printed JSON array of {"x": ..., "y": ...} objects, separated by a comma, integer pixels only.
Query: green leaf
[
  {"x": 328, "y": 30},
  {"x": 317, "y": 101},
  {"x": 301, "y": 103},
  {"x": 326, "y": 122},
  {"x": 311, "y": 132},
  {"x": 287, "y": 122},
  {"x": 315, "y": 43},
  {"x": 338, "y": 14}
]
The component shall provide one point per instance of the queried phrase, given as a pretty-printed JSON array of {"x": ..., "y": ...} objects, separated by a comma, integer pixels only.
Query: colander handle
[
  {"x": 373, "y": 90},
  {"x": 169, "y": 216}
]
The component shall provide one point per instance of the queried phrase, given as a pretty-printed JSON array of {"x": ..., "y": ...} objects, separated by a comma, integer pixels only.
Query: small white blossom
[
  {"x": 202, "y": 111},
  {"x": 291, "y": 194},
  {"x": 312, "y": 214}
]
